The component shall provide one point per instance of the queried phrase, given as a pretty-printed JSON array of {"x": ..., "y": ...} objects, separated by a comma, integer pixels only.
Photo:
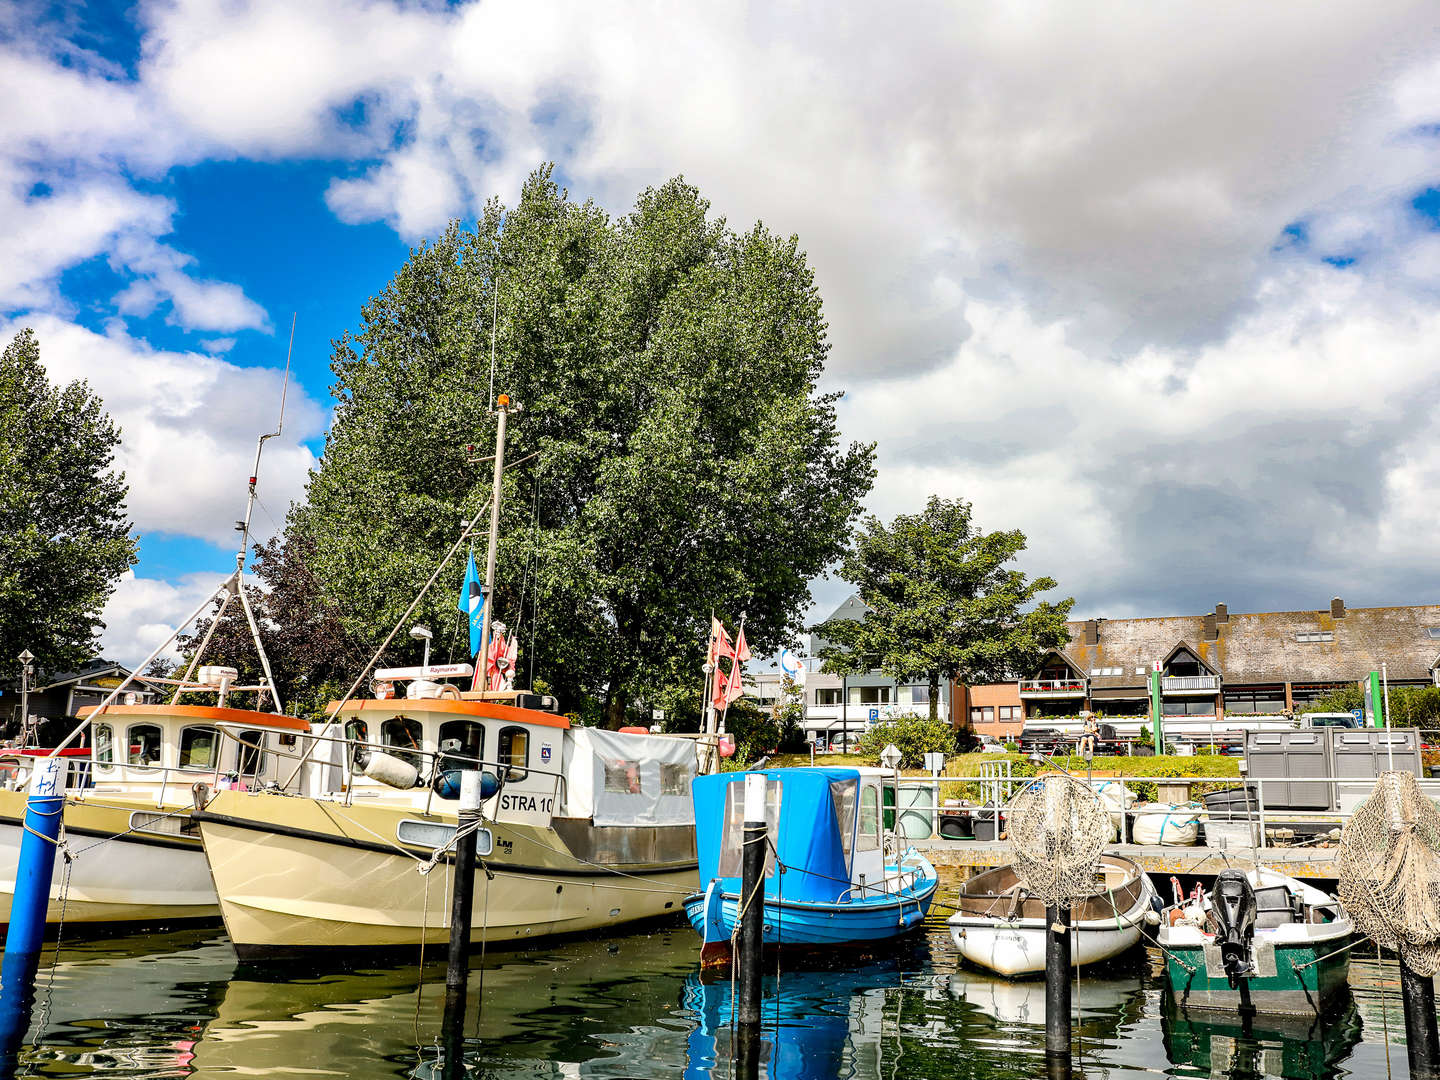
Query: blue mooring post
[{"x": 43, "y": 810}]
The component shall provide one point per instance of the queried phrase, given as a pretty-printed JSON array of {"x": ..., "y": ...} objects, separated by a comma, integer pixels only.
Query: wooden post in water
[
  {"x": 462, "y": 899},
  {"x": 1422, "y": 1042},
  {"x": 1057, "y": 987},
  {"x": 752, "y": 912}
]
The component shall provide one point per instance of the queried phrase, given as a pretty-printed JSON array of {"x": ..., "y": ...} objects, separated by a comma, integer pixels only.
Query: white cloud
[
  {"x": 189, "y": 422},
  {"x": 143, "y": 612}
]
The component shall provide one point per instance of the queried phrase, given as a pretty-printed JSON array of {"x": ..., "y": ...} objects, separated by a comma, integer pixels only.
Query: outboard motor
[{"x": 1233, "y": 902}]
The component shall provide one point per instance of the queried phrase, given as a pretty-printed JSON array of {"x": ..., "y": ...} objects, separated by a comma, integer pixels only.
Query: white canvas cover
[{"x": 619, "y": 779}]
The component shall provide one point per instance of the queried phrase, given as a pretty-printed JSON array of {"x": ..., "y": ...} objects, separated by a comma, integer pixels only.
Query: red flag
[
  {"x": 719, "y": 643},
  {"x": 718, "y": 698},
  {"x": 736, "y": 688}
]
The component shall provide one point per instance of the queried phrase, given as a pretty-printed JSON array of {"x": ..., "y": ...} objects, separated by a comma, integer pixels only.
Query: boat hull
[
  {"x": 1298, "y": 978},
  {"x": 297, "y": 875},
  {"x": 118, "y": 875},
  {"x": 1013, "y": 949},
  {"x": 714, "y": 913}
]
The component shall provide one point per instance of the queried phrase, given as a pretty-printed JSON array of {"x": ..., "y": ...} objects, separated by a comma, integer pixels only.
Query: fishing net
[
  {"x": 1058, "y": 828},
  {"x": 1388, "y": 865}
]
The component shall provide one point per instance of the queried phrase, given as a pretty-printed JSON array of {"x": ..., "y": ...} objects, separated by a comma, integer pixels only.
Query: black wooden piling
[
  {"x": 752, "y": 919},
  {"x": 1057, "y": 985},
  {"x": 462, "y": 898},
  {"x": 1421, "y": 1039}
]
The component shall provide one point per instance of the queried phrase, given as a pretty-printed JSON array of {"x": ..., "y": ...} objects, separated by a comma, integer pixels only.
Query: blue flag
[{"x": 472, "y": 603}]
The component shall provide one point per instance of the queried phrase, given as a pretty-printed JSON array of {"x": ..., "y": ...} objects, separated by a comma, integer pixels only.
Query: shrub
[{"x": 913, "y": 736}]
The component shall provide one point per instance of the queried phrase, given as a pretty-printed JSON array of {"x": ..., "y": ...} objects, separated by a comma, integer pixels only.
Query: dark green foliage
[
  {"x": 64, "y": 534},
  {"x": 754, "y": 732},
  {"x": 1345, "y": 699},
  {"x": 673, "y": 457},
  {"x": 943, "y": 603}
]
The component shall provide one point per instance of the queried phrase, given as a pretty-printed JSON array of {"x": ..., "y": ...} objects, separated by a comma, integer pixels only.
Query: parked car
[
  {"x": 1044, "y": 740},
  {"x": 991, "y": 745},
  {"x": 1329, "y": 719}
]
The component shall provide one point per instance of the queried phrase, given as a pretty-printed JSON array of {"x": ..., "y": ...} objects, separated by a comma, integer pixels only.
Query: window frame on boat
[
  {"x": 469, "y": 756},
  {"x": 845, "y": 798},
  {"x": 868, "y": 841},
  {"x": 189, "y": 731},
  {"x": 132, "y": 733},
  {"x": 505, "y": 753},
  {"x": 414, "y": 753},
  {"x": 107, "y": 747},
  {"x": 357, "y": 736},
  {"x": 250, "y": 743}
]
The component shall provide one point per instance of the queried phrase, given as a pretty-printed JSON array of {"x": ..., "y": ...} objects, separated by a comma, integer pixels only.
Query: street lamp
[
  {"x": 422, "y": 633},
  {"x": 26, "y": 659}
]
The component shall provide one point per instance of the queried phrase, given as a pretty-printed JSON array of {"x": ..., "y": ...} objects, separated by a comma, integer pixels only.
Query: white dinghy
[{"x": 999, "y": 926}]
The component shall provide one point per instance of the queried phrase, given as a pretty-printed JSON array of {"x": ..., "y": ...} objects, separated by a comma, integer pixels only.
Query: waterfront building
[
  {"x": 841, "y": 708},
  {"x": 55, "y": 705},
  {"x": 1221, "y": 669}
]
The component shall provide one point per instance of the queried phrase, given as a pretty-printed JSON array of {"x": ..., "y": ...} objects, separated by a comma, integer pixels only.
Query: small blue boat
[{"x": 831, "y": 873}]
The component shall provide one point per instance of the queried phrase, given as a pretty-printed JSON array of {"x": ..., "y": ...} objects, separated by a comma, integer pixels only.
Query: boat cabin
[
  {"x": 829, "y": 828},
  {"x": 166, "y": 745}
]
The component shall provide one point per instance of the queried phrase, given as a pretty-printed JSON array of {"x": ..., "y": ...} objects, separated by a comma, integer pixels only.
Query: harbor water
[{"x": 632, "y": 1004}]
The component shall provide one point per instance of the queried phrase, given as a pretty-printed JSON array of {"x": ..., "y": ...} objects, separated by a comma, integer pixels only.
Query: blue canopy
[{"x": 812, "y": 803}]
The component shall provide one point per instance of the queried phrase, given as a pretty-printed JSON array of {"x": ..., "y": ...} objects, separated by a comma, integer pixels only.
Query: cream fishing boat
[
  {"x": 579, "y": 828},
  {"x": 587, "y": 828}
]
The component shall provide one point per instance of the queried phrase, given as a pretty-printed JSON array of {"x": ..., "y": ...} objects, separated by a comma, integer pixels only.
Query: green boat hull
[{"x": 1294, "y": 978}]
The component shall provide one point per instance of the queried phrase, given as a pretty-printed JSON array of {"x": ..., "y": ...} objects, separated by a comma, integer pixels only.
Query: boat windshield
[
  {"x": 733, "y": 840},
  {"x": 842, "y": 796},
  {"x": 868, "y": 835}
]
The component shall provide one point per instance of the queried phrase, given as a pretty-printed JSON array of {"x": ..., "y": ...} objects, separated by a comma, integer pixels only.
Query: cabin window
[
  {"x": 144, "y": 744},
  {"x": 622, "y": 776},
  {"x": 402, "y": 736},
  {"x": 513, "y": 753},
  {"x": 199, "y": 747},
  {"x": 470, "y": 734},
  {"x": 250, "y": 760},
  {"x": 104, "y": 745},
  {"x": 357, "y": 732},
  {"x": 842, "y": 795},
  {"x": 733, "y": 840},
  {"x": 868, "y": 835},
  {"x": 675, "y": 779}
]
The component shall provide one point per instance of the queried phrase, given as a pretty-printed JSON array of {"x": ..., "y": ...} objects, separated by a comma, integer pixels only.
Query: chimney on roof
[
  {"x": 1212, "y": 631},
  {"x": 1092, "y": 632},
  {"x": 1222, "y": 613},
  {"x": 1337, "y": 608}
]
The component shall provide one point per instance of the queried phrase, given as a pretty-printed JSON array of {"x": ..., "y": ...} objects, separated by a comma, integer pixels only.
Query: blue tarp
[{"x": 807, "y": 837}]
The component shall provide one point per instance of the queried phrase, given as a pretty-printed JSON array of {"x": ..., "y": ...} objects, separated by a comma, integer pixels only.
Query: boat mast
[{"x": 502, "y": 410}]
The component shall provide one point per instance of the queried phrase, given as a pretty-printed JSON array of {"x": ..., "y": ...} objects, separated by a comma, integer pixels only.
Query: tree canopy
[
  {"x": 942, "y": 602},
  {"x": 64, "y": 533},
  {"x": 673, "y": 455}
]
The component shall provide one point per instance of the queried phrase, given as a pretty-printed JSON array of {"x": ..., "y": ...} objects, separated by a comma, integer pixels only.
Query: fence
[{"x": 1000, "y": 788}]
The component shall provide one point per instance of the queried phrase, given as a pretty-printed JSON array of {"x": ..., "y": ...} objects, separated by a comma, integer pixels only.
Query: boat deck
[{"x": 1307, "y": 862}]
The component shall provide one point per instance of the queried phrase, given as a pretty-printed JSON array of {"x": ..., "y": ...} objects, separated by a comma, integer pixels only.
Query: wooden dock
[{"x": 1315, "y": 863}]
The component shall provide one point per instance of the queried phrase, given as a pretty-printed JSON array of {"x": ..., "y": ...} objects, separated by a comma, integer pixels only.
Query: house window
[
  {"x": 988, "y": 712},
  {"x": 403, "y": 735},
  {"x": 827, "y": 697},
  {"x": 1007, "y": 712},
  {"x": 514, "y": 753},
  {"x": 1433, "y": 631},
  {"x": 870, "y": 695},
  {"x": 977, "y": 716},
  {"x": 198, "y": 749},
  {"x": 1314, "y": 635},
  {"x": 919, "y": 695},
  {"x": 144, "y": 744},
  {"x": 1190, "y": 707}
]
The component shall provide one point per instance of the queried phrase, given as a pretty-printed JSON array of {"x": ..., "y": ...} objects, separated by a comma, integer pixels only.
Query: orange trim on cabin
[
  {"x": 491, "y": 710},
  {"x": 204, "y": 712}
]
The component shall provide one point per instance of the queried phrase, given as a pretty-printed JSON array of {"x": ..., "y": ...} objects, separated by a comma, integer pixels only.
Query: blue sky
[{"x": 1171, "y": 311}]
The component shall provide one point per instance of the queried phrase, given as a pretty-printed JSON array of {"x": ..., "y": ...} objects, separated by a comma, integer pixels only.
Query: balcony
[
  {"x": 1189, "y": 684},
  {"x": 1052, "y": 688}
]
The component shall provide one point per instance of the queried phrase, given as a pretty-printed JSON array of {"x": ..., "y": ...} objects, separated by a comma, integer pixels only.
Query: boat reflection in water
[
  {"x": 1251, "y": 1047},
  {"x": 1014, "y": 1009}
]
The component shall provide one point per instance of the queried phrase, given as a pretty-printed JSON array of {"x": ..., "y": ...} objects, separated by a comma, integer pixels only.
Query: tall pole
[
  {"x": 752, "y": 912},
  {"x": 844, "y": 711},
  {"x": 26, "y": 656},
  {"x": 502, "y": 409},
  {"x": 1057, "y": 989}
]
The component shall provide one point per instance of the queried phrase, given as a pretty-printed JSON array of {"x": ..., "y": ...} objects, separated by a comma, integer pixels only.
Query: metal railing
[
  {"x": 1170, "y": 684},
  {"x": 1000, "y": 790},
  {"x": 1052, "y": 686}
]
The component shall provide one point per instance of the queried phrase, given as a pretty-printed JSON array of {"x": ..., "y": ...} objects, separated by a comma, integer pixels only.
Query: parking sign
[{"x": 874, "y": 715}]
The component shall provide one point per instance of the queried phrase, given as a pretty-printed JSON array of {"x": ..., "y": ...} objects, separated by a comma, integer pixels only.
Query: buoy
[{"x": 391, "y": 770}]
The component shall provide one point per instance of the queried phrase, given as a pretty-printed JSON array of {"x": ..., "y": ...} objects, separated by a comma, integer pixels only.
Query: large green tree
[
  {"x": 942, "y": 602},
  {"x": 673, "y": 455},
  {"x": 64, "y": 534}
]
